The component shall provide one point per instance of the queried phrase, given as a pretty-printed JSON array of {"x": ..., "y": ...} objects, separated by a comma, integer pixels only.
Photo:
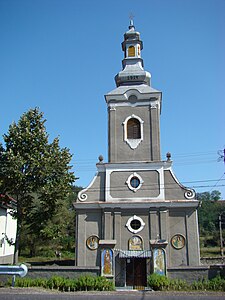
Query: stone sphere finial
[
  {"x": 168, "y": 155},
  {"x": 100, "y": 158}
]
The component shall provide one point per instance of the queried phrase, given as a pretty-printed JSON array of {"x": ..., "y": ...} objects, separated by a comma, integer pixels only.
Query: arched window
[
  {"x": 131, "y": 51},
  {"x": 133, "y": 129},
  {"x": 139, "y": 50}
]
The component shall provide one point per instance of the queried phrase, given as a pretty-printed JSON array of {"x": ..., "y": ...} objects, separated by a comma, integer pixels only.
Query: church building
[{"x": 135, "y": 218}]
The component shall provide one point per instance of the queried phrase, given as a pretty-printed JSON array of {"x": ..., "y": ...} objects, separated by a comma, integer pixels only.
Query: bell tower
[{"x": 133, "y": 108}]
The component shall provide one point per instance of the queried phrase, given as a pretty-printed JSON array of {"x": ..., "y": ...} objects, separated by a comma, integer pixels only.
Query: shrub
[
  {"x": 103, "y": 284},
  {"x": 55, "y": 282},
  {"x": 216, "y": 284},
  {"x": 83, "y": 283},
  {"x": 158, "y": 282}
]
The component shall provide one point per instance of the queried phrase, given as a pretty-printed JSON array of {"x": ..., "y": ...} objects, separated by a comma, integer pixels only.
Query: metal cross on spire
[{"x": 131, "y": 17}]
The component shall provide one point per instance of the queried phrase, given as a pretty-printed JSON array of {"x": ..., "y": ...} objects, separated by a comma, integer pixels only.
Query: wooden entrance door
[{"x": 136, "y": 272}]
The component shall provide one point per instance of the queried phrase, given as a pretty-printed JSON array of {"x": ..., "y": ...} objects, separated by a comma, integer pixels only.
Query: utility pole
[
  {"x": 221, "y": 154},
  {"x": 221, "y": 235}
]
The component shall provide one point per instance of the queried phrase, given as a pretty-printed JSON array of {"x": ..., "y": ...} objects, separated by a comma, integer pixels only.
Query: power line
[
  {"x": 92, "y": 168},
  {"x": 218, "y": 182},
  {"x": 158, "y": 187},
  {"x": 176, "y": 158}
]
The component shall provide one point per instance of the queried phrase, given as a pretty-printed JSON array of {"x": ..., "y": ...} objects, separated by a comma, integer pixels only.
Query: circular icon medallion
[
  {"x": 178, "y": 241},
  {"x": 92, "y": 242}
]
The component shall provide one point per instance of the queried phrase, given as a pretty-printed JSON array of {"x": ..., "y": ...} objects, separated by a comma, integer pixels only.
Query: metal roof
[{"x": 134, "y": 253}]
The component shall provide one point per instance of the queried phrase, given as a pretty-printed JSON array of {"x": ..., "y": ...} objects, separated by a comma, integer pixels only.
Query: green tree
[
  {"x": 58, "y": 232},
  {"x": 211, "y": 196},
  {"x": 208, "y": 214},
  {"x": 35, "y": 172}
]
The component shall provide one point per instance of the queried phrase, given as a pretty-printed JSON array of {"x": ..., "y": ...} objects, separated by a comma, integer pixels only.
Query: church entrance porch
[
  {"x": 132, "y": 268},
  {"x": 136, "y": 273}
]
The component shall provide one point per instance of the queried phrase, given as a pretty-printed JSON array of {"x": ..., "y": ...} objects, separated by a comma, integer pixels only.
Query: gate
[
  {"x": 132, "y": 268},
  {"x": 136, "y": 273}
]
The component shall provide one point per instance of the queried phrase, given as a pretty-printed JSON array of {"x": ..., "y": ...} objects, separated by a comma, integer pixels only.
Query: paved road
[{"x": 39, "y": 294}]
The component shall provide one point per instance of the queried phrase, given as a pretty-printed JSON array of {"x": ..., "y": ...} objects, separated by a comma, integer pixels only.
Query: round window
[
  {"x": 135, "y": 182},
  {"x": 135, "y": 224}
]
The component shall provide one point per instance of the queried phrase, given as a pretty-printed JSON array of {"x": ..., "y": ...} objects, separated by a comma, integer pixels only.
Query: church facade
[{"x": 135, "y": 218}]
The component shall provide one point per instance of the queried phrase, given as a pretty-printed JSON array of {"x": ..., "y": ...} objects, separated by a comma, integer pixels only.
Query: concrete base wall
[
  {"x": 50, "y": 271},
  {"x": 191, "y": 274},
  {"x": 67, "y": 272}
]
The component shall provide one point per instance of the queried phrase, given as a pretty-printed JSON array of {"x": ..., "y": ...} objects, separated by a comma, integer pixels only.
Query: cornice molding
[{"x": 166, "y": 204}]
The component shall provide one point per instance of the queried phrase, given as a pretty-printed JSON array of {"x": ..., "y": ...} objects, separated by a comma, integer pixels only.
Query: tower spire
[{"x": 133, "y": 68}]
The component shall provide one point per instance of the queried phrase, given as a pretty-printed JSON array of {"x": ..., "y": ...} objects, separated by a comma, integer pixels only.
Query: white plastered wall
[{"x": 7, "y": 229}]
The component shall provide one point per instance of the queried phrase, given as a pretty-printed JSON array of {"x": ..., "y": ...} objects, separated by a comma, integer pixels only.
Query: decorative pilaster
[
  {"x": 154, "y": 225},
  {"x": 163, "y": 224},
  {"x": 107, "y": 225},
  {"x": 154, "y": 133},
  {"x": 112, "y": 149},
  {"x": 117, "y": 228}
]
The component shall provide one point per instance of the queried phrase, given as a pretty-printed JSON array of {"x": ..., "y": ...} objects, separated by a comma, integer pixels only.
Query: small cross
[{"x": 131, "y": 17}]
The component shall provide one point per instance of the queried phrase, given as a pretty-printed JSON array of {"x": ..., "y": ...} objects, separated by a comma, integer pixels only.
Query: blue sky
[{"x": 62, "y": 56}]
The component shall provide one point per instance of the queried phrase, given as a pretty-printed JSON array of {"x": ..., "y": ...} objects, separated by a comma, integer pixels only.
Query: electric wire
[
  {"x": 179, "y": 159},
  {"x": 216, "y": 185},
  {"x": 156, "y": 187}
]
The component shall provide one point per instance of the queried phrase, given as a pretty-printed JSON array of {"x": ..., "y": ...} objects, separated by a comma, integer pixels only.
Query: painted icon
[
  {"x": 135, "y": 243},
  {"x": 178, "y": 241},
  {"x": 159, "y": 261},
  {"x": 107, "y": 262},
  {"x": 92, "y": 242}
]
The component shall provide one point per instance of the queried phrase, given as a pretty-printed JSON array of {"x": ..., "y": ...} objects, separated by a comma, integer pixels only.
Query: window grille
[{"x": 133, "y": 129}]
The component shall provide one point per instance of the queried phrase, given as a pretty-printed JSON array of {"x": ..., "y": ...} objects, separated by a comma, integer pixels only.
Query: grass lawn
[
  {"x": 210, "y": 252},
  {"x": 47, "y": 257}
]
